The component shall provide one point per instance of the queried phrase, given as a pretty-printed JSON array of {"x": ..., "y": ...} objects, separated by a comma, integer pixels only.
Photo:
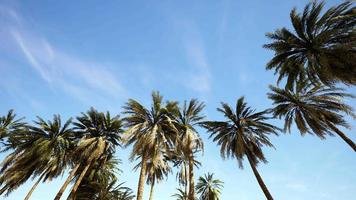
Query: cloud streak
[{"x": 73, "y": 75}]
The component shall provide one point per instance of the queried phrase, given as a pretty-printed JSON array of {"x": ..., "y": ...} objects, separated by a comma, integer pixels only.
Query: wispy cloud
[
  {"x": 198, "y": 75},
  {"x": 72, "y": 74}
]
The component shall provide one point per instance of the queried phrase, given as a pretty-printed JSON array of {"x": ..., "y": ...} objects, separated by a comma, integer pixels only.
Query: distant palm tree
[
  {"x": 99, "y": 134},
  {"x": 157, "y": 169},
  {"x": 189, "y": 116},
  {"x": 10, "y": 126},
  {"x": 180, "y": 195},
  {"x": 321, "y": 48},
  {"x": 243, "y": 134},
  {"x": 316, "y": 109},
  {"x": 43, "y": 152},
  {"x": 209, "y": 188},
  {"x": 149, "y": 129}
]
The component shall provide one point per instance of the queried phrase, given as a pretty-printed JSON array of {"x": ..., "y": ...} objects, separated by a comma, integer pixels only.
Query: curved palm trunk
[
  {"x": 34, "y": 187},
  {"x": 66, "y": 183},
  {"x": 259, "y": 178},
  {"x": 191, "y": 195},
  {"x": 141, "y": 182},
  {"x": 79, "y": 180},
  {"x": 342, "y": 135},
  {"x": 151, "y": 191}
]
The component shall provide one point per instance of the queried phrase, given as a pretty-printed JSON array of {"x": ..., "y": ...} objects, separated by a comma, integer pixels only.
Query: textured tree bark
[
  {"x": 34, "y": 187},
  {"x": 342, "y": 135},
  {"x": 191, "y": 195},
  {"x": 259, "y": 178},
  {"x": 141, "y": 182},
  {"x": 66, "y": 183},
  {"x": 79, "y": 180},
  {"x": 151, "y": 191},
  {"x": 186, "y": 181}
]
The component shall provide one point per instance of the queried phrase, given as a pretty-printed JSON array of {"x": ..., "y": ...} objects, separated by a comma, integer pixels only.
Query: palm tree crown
[
  {"x": 209, "y": 188},
  {"x": 321, "y": 48},
  {"x": 244, "y": 133},
  {"x": 315, "y": 109}
]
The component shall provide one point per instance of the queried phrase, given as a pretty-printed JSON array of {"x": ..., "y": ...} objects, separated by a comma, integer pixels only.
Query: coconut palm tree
[
  {"x": 99, "y": 135},
  {"x": 157, "y": 169},
  {"x": 209, "y": 188},
  {"x": 189, "y": 116},
  {"x": 180, "y": 195},
  {"x": 315, "y": 109},
  {"x": 321, "y": 48},
  {"x": 43, "y": 157},
  {"x": 148, "y": 130},
  {"x": 244, "y": 133},
  {"x": 99, "y": 182},
  {"x": 10, "y": 126}
]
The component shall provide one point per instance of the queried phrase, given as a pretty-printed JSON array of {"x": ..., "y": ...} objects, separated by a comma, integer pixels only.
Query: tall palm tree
[
  {"x": 315, "y": 109},
  {"x": 180, "y": 195},
  {"x": 148, "y": 130},
  {"x": 99, "y": 135},
  {"x": 43, "y": 156},
  {"x": 321, "y": 48},
  {"x": 10, "y": 126},
  {"x": 209, "y": 188},
  {"x": 189, "y": 116},
  {"x": 244, "y": 133}
]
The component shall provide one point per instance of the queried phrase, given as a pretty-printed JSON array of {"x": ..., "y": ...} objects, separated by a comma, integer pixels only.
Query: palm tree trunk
[
  {"x": 259, "y": 178},
  {"x": 34, "y": 187},
  {"x": 66, "y": 183},
  {"x": 141, "y": 182},
  {"x": 191, "y": 195},
  {"x": 342, "y": 135},
  {"x": 186, "y": 181},
  {"x": 79, "y": 180},
  {"x": 151, "y": 192}
]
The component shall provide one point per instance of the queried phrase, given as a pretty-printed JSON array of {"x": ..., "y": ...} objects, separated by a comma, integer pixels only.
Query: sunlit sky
[{"x": 66, "y": 56}]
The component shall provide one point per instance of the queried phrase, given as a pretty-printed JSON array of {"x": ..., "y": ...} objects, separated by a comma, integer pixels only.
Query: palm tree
[
  {"x": 315, "y": 109},
  {"x": 209, "y": 188},
  {"x": 99, "y": 135},
  {"x": 10, "y": 126},
  {"x": 180, "y": 162},
  {"x": 180, "y": 195},
  {"x": 44, "y": 155},
  {"x": 148, "y": 130},
  {"x": 157, "y": 169},
  {"x": 244, "y": 133},
  {"x": 190, "y": 142},
  {"x": 321, "y": 48},
  {"x": 100, "y": 181}
]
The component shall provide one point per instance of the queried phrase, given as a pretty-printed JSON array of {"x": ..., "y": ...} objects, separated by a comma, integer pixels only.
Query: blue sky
[{"x": 66, "y": 56}]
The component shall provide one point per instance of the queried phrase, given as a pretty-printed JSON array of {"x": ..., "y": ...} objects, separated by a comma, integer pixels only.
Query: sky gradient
[{"x": 66, "y": 56}]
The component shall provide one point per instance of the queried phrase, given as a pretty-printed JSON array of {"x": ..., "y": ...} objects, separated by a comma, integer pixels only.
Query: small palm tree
[
  {"x": 189, "y": 116},
  {"x": 244, "y": 133},
  {"x": 148, "y": 130},
  {"x": 98, "y": 134},
  {"x": 180, "y": 195},
  {"x": 209, "y": 188},
  {"x": 42, "y": 153},
  {"x": 10, "y": 126},
  {"x": 157, "y": 169},
  {"x": 321, "y": 48},
  {"x": 315, "y": 109}
]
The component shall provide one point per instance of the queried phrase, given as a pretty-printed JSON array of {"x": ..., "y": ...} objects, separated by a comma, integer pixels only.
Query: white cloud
[{"x": 75, "y": 76}]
